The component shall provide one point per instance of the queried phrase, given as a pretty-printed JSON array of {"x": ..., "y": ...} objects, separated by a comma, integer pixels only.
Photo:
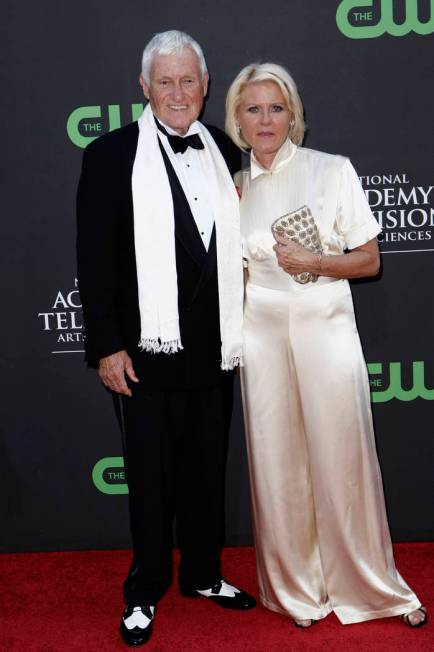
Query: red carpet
[{"x": 56, "y": 602}]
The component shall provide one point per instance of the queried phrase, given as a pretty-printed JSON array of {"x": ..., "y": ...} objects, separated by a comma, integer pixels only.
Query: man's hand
[
  {"x": 293, "y": 258},
  {"x": 112, "y": 370}
]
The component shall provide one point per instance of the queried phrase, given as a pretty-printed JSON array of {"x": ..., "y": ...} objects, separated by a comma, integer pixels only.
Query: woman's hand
[
  {"x": 293, "y": 258},
  {"x": 359, "y": 262}
]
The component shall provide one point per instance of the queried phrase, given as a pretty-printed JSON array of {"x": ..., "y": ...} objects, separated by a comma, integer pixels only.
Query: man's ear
[
  {"x": 145, "y": 87},
  {"x": 205, "y": 80}
]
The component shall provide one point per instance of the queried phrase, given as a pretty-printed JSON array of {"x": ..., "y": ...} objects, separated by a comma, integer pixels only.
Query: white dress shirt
[{"x": 191, "y": 168}]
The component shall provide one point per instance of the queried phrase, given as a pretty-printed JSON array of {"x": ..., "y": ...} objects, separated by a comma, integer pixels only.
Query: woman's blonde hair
[{"x": 259, "y": 72}]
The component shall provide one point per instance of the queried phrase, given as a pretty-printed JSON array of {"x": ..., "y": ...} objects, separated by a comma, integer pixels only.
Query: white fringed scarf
[{"x": 154, "y": 235}]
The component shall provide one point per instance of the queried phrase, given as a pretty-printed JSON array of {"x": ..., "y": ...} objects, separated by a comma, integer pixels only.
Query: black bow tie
[{"x": 178, "y": 143}]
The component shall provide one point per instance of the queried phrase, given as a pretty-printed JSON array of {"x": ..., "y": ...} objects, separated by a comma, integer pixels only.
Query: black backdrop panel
[{"x": 71, "y": 73}]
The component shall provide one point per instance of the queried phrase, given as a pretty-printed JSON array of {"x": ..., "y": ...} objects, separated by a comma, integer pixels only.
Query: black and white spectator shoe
[
  {"x": 136, "y": 624},
  {"x": 222, "y": 593}
]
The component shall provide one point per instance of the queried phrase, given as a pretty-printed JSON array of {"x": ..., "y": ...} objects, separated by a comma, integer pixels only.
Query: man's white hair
[{"x": 170, "y": 42}]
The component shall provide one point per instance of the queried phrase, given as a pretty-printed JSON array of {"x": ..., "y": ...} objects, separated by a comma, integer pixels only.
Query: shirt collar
[
  {"x": 284, "y": 155},
  {"x": 193, "y": 129}
]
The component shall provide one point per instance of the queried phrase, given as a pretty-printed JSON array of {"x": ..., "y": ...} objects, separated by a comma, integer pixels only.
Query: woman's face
[{"x": 264, "y": 119}]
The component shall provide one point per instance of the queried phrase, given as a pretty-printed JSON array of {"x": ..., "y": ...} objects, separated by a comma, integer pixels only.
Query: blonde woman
[{"x": 321, "y": 531}]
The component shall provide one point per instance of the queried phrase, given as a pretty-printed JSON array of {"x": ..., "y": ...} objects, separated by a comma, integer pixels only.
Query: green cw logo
[
  {"x": 85, "y": 123},
  {"x": 395, "y": 389},
  {"x": 356, "y": 19},
  {"x": 108, "y": 476}
]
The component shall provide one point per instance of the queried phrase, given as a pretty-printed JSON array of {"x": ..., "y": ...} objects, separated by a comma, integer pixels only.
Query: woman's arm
[{"x": 359, "y": 262}]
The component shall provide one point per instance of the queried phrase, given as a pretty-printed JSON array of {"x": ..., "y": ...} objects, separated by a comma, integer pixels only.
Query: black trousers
[{"x": 175, "y": 448}]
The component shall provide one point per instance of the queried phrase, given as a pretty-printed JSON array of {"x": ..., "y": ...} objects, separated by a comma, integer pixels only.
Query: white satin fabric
[{"x": 321, "y": 532}]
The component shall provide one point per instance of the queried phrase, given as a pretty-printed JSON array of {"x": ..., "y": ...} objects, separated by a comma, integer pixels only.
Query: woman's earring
[
  {"x": 238, "y": 128},
  {"x": 291, "y": 124}
]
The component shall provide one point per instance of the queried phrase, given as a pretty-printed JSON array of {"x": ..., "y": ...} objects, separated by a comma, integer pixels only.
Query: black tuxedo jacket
[{"x": 107, "y": 268}]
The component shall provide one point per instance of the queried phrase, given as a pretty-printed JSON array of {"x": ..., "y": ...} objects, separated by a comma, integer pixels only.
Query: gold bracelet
[{"x": 319, "y": 262}]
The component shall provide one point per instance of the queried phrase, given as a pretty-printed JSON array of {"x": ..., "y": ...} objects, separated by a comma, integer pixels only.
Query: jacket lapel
[
  {"x": 130, "y": 149},
  {"x": 210, "y": 265}
]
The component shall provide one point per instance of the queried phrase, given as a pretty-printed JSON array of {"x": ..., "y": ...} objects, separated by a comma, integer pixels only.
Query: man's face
[{"x": 177, "y": 89}]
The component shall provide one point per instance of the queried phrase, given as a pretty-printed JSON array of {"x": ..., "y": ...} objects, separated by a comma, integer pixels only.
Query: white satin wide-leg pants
[{"x": 321, "y": 532}]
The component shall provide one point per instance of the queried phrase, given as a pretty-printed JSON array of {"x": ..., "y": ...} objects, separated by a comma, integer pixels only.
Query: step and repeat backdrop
[{"x": 364, "y": 70}]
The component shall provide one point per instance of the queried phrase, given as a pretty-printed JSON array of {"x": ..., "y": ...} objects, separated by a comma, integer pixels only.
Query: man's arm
[{"x": 98, "y": 220}]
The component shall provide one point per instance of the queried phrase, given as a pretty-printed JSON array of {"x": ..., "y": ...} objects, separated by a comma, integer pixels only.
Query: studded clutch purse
[{"x": 300, "y": 227}]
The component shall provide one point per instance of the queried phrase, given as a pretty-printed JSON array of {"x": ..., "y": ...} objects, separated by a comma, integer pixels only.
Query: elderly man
[{"x": 160, "y": 276}]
